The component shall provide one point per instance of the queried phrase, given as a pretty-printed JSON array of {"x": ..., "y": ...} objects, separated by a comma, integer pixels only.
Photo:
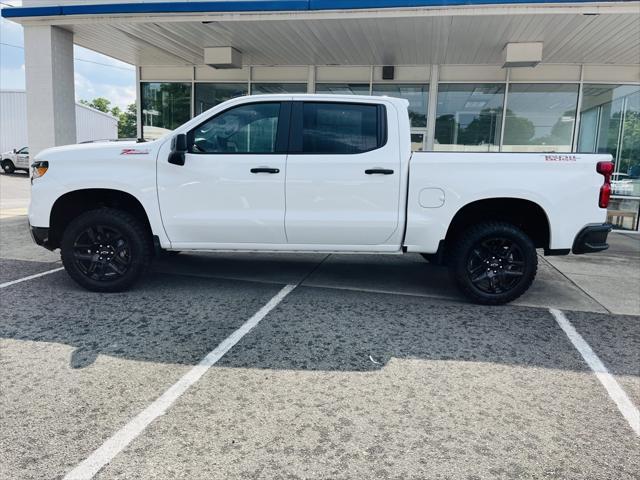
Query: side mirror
[
  {"x": 178, "y": 149},
  {"x": 15, "y": 150}
]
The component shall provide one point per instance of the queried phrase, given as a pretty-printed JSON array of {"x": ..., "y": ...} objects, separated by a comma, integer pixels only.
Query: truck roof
[{"x": 330, "y": 97}]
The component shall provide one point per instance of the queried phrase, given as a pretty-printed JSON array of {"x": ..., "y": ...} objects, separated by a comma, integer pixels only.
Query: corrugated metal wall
[
  {"x": 13, "y": 120},
  {"x": 90, "y": 124},
  {"x": 94, "y": 125}
]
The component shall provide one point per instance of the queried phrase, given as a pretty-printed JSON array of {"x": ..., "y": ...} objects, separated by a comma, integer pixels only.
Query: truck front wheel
[
  {"x": 8, "y": 166},
  {"x": 493, "y": 263},
  {"x": 105, "y": 250}
]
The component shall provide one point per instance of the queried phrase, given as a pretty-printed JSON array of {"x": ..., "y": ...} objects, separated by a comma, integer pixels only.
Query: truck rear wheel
[
  {"x": 105, "y": 250},
  {"x": 493, "y": 263}
]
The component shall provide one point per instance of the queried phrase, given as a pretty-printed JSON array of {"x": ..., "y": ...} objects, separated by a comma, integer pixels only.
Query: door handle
[
  {"x": 265, "y": 170},
  {"x": 379, "y": 171}
]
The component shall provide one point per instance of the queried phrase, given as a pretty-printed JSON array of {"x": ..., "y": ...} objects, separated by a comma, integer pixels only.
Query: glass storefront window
[
  {"x": 418, "y": 96},
  {"x": 540, "y": 117},
  {"x": 165, "y": 106},
  {"x": 343, "y": 88},
  {"x": 469, "y": 117},
  {"x": 610, "y": 123},
  {"x": 208, "y": 95},
  {"x": 267, "y": 88}
]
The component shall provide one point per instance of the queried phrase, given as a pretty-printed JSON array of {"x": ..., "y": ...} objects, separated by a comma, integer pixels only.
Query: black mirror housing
[
  {"x": 180, "y": 143},
  {"x": 178, "y": 149}
]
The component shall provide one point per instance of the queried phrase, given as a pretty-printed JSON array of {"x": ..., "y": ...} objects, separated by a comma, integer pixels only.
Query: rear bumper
[
  {"x": 592, "y": 238},
  {"x": 40, "y": 235}
]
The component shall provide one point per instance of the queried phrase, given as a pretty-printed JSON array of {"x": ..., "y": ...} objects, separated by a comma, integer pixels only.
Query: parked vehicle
[
  {"x": 15, "y": 160},
  {"x": 313, "y": 173}
]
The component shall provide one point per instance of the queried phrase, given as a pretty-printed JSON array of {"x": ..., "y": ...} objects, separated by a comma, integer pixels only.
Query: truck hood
[{"x": 87, "y": 151}]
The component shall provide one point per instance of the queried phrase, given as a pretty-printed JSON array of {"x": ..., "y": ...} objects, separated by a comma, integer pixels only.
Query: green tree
[
  {"x": 127, "y": 126},
  {"x": 99, "y": 103}
]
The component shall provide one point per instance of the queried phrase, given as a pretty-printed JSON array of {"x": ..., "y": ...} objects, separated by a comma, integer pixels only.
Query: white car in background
[
  {"x": 621, "y": 184},
  {"x": 15, "y": 160}
]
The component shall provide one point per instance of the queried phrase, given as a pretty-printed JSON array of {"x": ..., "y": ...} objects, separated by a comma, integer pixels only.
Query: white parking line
[
  {"x": 629, "y": 410},
  {"x": 30, "y": 277},
  {"x": 123, "y": 437}
]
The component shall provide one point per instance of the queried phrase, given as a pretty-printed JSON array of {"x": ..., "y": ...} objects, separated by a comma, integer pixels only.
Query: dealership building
[{"x": 480, "y": 75}]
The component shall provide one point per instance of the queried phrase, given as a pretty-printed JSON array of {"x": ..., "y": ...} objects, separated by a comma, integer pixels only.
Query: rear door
[{"x": 343, "y": 174}]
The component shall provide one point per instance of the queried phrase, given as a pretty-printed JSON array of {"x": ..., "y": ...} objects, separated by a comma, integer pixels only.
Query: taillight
[{"x": 605, "y": 169}]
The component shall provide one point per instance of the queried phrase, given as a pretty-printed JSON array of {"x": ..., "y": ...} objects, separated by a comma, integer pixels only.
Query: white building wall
[
  {"x": 13, "y": 119},
  {"x": 91, "y": 124}
]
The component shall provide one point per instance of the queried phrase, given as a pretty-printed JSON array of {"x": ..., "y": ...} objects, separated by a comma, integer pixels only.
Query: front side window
[
  {"x": 248, "y": 128},
  {"x": 340, "y": 128},
  {"x": 24, "y": 151}
]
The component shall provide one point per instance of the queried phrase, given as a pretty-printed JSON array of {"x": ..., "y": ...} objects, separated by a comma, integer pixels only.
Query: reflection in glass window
[
  {"x": 165, "y": 106},
  {"x": 268, "y": 88},
  {"x": 248, "y": 128},
  {"x": 339, "y": 128},
  {"x": 540, "y": 117},
  {"x": 208, "y": 95},
  {"x": 417, "y": 95},
  {"x": 469, "y": 117},
  {"x": 343, "y": 88},
  {"x": 610, "y": 123}
]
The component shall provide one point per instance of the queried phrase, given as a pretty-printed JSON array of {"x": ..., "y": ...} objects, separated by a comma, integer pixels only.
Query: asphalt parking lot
[{"x": 345, "y": 367}]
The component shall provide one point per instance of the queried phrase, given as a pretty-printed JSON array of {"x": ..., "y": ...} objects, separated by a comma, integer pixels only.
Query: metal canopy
[{"x": 606, "y": 33}]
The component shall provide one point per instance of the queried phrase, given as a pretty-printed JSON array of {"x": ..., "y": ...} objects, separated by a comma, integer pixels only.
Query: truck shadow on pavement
[{"x": 178, "y": 319}]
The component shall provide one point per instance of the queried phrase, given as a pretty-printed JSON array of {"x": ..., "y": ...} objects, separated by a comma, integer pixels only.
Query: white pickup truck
[
  {"x": 15, "y": 160},
  {"x": 312, "y": 173}
]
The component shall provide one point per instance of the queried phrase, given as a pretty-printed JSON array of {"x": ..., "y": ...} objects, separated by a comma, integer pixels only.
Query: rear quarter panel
[{"x": 566, "y": 186}]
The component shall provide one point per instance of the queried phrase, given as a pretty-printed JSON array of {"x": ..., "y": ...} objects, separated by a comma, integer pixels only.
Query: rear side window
[{"x": 340, "y": 128}]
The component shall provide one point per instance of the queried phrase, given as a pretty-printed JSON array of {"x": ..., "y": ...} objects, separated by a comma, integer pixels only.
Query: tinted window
[
  {"x": 340, "y": 128},
  {"x": 244, "y": 129}
]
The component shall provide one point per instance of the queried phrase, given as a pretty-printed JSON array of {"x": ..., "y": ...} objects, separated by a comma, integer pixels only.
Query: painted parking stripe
[
  {"x": 123, "y": 437},
  {"x": 627, "y": 408},
  {"x": 30, "y": 277}
]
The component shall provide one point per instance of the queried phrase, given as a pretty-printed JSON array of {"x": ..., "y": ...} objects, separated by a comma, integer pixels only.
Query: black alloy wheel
[
  {"x": 496, "y": 265},
  {"x": 493, "y": 263},
  {"x": 106, "y": 250},
  {"x": 102, "y": 253}
]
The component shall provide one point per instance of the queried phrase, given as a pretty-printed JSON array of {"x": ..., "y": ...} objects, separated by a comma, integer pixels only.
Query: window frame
[
  {"x": 282, "y": 129},
  {"x": 296, "y": 137}
]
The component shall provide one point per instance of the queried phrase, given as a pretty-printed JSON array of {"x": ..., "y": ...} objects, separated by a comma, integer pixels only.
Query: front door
[
  {"x": 343, "y": 174},
  {"x": 22, "y": 158},
  {"x": 230, "y": 189}
]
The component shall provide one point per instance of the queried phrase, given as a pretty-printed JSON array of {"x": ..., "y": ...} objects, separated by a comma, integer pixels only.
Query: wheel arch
[
  {"x": 71, "y": 204},
  {"x": 527, "y": 215}
]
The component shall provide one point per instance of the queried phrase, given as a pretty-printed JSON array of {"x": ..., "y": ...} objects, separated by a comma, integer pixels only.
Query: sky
[{"x": 96, "y": 75}]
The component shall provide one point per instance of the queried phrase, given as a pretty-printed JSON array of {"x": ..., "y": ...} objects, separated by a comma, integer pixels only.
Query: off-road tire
[
  {"x": 8, "y": 166},
  {"x": 472, "y": 238},
  {"x": 139, "y": 248}
]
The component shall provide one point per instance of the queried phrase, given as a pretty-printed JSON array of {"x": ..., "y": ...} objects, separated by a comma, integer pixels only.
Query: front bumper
[
  {"x": 40, "y": 235},
  {"x": 592, "y": 238}
]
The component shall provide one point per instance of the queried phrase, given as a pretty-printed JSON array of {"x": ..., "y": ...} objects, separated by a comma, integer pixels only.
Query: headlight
[{"x": 38, "y": 169}]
